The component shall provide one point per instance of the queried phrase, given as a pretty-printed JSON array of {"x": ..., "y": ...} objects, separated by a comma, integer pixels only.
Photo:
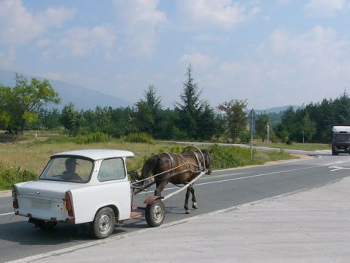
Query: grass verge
[{"x": 23, "y": 160}]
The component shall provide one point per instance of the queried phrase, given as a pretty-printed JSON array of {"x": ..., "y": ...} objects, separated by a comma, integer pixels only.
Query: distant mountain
[
  {"x": 82, "y": 98},
  {"x": 274, "y": 110},
  {"x": 85, "y": 99},
  {"x": 277, "y": 109}
]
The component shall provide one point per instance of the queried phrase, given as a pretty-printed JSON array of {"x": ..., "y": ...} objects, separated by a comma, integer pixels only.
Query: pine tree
[{"x": 189, "y": 112}]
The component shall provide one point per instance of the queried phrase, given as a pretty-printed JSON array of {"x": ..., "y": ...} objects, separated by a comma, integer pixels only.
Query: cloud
[
  {"x": 198, "y": 60},
  {"x": 43, "y": 42},
  {"x": 326, "y": 8},
  {"x": 7, "y": 59},
  {"x": 288, "y": 68},
  {"x": 306, "y": 62},
  {"x": 139, "y": 21},
  {"x": 214, "y": 14},
  {"x": 284, "y": 2},
  {"x": 73, "y": 77},
  {"x": 310, "y": 63},
  {"x": 318, "y": 46},
  {"x": 82, "y": 41},
  {"x": 18, "y": 26}
]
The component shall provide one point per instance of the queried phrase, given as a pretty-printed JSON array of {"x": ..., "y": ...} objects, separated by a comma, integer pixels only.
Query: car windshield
[{"x": 67, "y": 169}]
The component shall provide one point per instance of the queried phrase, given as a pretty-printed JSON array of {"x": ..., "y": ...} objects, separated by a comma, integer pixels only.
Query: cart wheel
[
  {"x": 103, "y": 224},
  {"x": 46, "y": 225},
  {"x": 155, "y": 213}
]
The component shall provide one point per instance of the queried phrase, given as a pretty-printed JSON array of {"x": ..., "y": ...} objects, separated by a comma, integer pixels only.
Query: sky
[{"x": 270, "y": 53}]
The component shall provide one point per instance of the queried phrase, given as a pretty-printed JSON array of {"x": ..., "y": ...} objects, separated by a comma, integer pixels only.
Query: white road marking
[
  {"x": 240, "y": 178},
  {"x": 6, "y": 214},
  {"x": 336, "y": 162},
  {"x": 336, "y": 168}
]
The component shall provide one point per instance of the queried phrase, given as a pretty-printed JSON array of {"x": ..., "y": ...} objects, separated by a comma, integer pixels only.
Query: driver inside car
[{"x": 70, "y": 173}]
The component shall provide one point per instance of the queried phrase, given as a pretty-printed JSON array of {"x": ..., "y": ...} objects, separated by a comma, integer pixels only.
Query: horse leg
[
  {"x": 187, "y": 211},
  {"x": 159, "y": 188},
  {"x": 194, "y": 201},
  {"x": 189, "y": 191}
]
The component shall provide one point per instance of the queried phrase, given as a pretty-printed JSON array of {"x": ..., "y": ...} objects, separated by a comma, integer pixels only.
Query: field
[{"x": 23, "y": 157}]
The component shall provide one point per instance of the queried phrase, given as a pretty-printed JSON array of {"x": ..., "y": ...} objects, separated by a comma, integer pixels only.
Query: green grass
[
  {"x": 231, "y": 157},
  {"x": 23, "y": 158}
]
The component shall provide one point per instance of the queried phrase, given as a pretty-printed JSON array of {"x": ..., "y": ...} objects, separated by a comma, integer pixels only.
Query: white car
[{"x": 83, "y": 186}]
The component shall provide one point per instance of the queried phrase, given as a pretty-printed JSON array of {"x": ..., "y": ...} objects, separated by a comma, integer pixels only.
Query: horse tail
[{"x": 149, "y": 166}]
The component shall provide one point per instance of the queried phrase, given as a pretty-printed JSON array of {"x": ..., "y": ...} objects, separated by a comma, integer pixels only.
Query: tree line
[
  {"x": 313, "y": 122},
  {"x": 24, "y": 107}
]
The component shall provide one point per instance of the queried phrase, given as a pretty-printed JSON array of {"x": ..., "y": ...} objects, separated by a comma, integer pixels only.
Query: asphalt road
[{"x": 221, "y": 190}]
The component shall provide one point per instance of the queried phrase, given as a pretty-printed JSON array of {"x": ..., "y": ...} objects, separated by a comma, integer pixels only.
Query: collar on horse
[{"x": 201, "y": 169}]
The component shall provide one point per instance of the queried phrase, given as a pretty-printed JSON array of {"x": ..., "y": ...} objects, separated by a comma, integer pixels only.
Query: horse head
[
  {"x": 139, "y": 177},
  {"x": 135, "y": 175},
  {"x": 149, "y": 167},
  {"x": 207, "y": 160}
]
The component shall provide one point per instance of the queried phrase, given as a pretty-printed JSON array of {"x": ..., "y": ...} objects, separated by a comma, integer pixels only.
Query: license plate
[{"x": 41, "y": 204}]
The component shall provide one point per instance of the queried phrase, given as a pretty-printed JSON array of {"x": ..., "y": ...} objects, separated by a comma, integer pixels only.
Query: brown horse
[{"x": 178, "y": 169}]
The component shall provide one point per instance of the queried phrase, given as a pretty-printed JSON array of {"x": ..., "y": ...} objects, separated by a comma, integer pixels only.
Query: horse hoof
[{"x": 195, "y": 206}]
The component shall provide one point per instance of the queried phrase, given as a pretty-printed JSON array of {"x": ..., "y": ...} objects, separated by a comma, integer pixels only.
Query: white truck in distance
[
  {"x": 84, "y": 187},
  {"x": 341, "y": 139}
]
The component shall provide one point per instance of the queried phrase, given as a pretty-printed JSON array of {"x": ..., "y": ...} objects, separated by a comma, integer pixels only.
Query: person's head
[{"x": 71, "y": 164}]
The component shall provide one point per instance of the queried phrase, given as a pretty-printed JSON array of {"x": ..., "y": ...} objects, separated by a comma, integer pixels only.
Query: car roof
[{"x": 95, "y": 154}]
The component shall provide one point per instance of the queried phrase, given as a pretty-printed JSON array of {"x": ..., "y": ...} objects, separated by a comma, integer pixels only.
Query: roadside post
[
  {"x": 251, "y": 120},
  {"x": 268, "y": 132}
]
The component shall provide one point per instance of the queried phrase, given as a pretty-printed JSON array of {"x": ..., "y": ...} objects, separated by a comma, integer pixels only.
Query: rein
[
  {"x": 168, "y": 171},
  {"x": 155, "y": 175}
]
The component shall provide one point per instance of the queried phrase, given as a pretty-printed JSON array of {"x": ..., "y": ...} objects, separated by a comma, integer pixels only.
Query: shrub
[
  {"x": 177, "y": 149},
  {"x": 94, "y": 137},
  {"x": 229, "y": 156},
  {"x": 11, "y": 175}
]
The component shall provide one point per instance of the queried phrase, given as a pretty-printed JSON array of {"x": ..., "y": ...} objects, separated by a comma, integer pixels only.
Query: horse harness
[{"x": 199, "y": 164}]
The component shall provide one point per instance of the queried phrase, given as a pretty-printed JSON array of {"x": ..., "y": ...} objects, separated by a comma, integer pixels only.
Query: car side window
[{"x": 111, "y": 169}]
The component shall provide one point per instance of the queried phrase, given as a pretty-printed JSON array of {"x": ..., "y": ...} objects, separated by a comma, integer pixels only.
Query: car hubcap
[{"x": 105, "y": 224}]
